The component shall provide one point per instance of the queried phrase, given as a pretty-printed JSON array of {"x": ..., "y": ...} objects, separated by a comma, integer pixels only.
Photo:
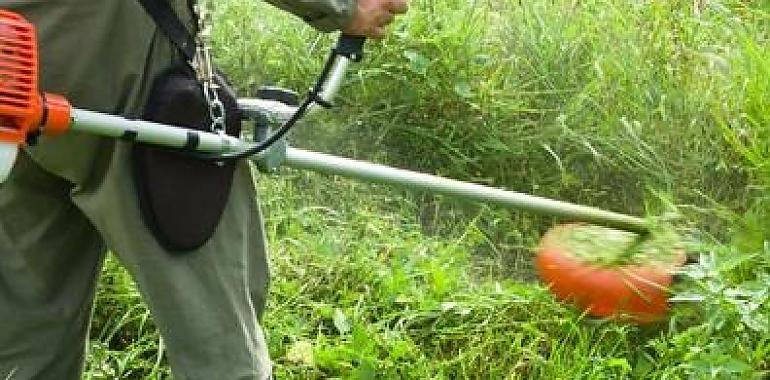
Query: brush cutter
[{"x": 25, "y": 112}]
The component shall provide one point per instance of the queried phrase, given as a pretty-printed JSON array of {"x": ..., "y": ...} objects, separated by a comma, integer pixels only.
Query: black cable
[
  {"x": 350, "y": 47},
  {"x": 314, "y": 96}
]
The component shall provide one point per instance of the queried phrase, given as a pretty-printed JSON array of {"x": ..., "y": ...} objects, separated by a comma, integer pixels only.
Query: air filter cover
[{"x": 20, "y": 104}]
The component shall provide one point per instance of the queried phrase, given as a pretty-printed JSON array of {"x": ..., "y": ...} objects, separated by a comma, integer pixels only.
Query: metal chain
[{"x": 204, "y": 69}]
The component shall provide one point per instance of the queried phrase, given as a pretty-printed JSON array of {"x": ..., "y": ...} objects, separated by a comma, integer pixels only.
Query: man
[{"x": 71, "y": 198}]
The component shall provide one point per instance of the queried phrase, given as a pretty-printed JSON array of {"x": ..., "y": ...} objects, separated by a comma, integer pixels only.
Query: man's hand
[{"x": 371, "y": 17}]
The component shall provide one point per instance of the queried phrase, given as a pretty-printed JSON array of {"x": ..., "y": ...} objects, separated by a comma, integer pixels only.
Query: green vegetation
[
  {"x": 610, "y": 247},
  {"x": 654, "y": 108}
]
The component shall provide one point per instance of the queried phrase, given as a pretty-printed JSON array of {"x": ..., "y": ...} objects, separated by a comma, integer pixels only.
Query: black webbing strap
[{"x": 168, "y": 22}]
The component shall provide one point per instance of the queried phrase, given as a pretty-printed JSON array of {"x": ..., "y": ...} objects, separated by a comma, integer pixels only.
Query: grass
[{"x": 653, "y": 108}]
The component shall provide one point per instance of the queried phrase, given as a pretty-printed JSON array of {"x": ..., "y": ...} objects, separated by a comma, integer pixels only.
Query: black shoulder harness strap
[{"x": 168, "y": 22}]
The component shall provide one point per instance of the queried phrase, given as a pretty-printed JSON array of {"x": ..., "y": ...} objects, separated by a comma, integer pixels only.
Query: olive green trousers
[
  {"x": 70, "y": 199},
  {"x": 53, "y": 237}
]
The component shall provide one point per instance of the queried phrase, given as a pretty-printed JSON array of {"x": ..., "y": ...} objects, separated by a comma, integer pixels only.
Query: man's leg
[
  {"x": 206, "y": 303},
  {"x": 50, "y": 257}
]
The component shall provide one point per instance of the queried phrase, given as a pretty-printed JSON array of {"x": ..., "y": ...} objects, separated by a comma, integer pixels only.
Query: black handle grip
[{"x": 351, "y": 47}]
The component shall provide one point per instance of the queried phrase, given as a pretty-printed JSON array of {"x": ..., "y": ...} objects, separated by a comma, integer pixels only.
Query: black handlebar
[{"x": 351, "y": 47}]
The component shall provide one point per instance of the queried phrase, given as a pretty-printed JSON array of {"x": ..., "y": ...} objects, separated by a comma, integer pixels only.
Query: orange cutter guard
[{"x": 23, "y": 109}]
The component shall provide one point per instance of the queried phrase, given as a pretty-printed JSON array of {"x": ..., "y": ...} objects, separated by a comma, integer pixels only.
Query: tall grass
[
  {"x": 644, "y": 107},
  {"x": 599, "y": 102}
]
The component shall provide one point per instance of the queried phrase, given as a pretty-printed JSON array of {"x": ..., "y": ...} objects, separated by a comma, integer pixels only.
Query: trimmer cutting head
[
  {"x": 610, "y": 273},
  {"x": 22, "y": 108}
]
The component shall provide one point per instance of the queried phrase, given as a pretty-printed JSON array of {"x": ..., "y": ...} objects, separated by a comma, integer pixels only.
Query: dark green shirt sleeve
[{"x": 324, "y": 15}]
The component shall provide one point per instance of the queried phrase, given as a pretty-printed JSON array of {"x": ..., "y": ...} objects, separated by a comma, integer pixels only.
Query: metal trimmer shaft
[
  {"x": 164, "y": 135},
  {"x": 370, "y": 172}
]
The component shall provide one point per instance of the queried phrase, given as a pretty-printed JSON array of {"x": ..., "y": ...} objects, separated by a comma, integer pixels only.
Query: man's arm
[{"x": 367, "y": 18}]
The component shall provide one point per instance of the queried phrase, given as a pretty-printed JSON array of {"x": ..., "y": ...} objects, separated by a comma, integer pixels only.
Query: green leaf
[
  {"x": 363, "y": 342},
  {"x": 734, "y": 365},
  {"x": 643, "y": 366},
  {"x": 365, "y": 370},
  {"x": 418, "y": 63},
  {"x": 463, "y": 89},
  {"x": 341, "y": 322},
  {"x": 621, "y": 363}
]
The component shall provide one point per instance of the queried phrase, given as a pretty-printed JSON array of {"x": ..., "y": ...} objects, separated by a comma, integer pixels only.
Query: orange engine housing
[{"x": 23, "y": 109}]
